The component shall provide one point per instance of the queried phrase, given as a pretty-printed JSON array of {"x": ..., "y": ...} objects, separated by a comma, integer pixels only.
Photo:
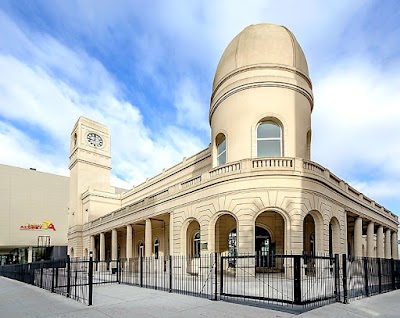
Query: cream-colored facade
[
  {"x": 33, "y": 211},
  {"x": 254, "y": 189}
]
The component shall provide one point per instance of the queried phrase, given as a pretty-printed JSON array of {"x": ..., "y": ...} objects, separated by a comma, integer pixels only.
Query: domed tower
[{"x": 262, "y": 99}]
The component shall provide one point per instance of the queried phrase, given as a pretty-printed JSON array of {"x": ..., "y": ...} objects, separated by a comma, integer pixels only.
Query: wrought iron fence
[
  {"x": 367, "y": 276},
  {"x": 177, "y": 274},
  {"x": 68, "y": 277},
  {"x": 297, "y": 281},
  {"x": 289, "y": 282}
]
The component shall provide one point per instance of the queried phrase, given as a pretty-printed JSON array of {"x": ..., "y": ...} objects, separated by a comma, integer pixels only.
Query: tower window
[
  {"x": 221, "y": 149},
  {"x": 269, "y": 139}
]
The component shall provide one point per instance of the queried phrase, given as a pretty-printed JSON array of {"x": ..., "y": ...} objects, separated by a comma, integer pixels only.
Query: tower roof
[{"x": 261, "y": 44}]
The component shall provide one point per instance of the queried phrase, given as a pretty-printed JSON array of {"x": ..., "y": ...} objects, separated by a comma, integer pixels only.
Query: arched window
[
  {"x": 196, "y": 245},
  {"x": 232, "y": 248},
  {"x": 156, "y": 247},
  {"x": 141, "y": 249},
  {"x": 221, "y": 149},
  {"x": 312, "y": 243},
  {"x": 269, "y": 139}
]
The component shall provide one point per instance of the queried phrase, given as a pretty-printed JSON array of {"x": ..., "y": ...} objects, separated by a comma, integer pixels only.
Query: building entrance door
[
  {"x": 265, "y": 249},
  {"x": 232, "y": 248}
]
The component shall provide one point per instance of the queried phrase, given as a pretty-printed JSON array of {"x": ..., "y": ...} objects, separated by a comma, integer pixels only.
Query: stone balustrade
[
  {"x": 297, "y": 165},
  {"x": 230, "y": 167}
]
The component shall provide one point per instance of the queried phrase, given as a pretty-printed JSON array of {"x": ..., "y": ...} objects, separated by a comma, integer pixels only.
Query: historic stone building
[{"x": 254, "y": 189}]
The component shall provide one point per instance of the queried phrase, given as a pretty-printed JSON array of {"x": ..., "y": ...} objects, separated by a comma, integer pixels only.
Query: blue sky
[{"x": 146, "y": 70}]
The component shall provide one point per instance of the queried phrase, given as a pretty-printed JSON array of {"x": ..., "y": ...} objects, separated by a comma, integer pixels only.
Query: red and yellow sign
[{"x": 46, "y": 225}]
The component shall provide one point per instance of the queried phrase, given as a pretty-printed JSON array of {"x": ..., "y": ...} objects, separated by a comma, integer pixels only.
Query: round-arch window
[
  {"x": 269, "y": 139},
  {"x": 141, "y": 249},
  {"x": 221, "y": 149},
  {"x": 196, "y": 245},
  {"x": 156, "y": 248}
]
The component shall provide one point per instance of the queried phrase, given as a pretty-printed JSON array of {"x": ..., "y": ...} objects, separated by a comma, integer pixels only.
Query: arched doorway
[
  {"x": 334, "y": 236},
  {"x": 269, "y": 239},
  {"x": 309, "y": 235},
  {"x": 264, "y": 247},
  {"x": 232, "y": 248},
  {"x": 226, "y": 238},
  {"x": 193, "y": 239}
]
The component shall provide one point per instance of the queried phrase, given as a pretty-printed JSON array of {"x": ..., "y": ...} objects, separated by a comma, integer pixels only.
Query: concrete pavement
[{"x": 22, "y": 300}]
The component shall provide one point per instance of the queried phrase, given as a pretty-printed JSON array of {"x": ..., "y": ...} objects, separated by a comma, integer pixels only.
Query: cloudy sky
[{"x": 145, "y": 70}]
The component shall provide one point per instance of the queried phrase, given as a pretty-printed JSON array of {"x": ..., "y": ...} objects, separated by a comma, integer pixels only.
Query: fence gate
[{"x": 283, "y": 280}]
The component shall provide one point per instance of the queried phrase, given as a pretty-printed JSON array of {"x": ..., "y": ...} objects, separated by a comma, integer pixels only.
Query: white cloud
[
  {"x": 355, "y": 125},
  {"x": 191, "y": 110},
  {"x": 50, "y": 91},
  {"x": 177, "y": 45},
  {"x": 21, "y": 150}
]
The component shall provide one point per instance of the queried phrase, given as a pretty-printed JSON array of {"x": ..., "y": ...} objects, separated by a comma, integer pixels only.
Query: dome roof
[{"x": 261, "y": 44}]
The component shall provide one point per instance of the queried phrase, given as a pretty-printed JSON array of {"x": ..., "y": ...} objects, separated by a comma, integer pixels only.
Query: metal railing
[
  {"x": 287, "y": 282},
  {"x": 178, "y": 274},
  {"x": 296, "y": 281},
  {"x": 68, "y": 277},
  {"x": 365, "y": 276}
]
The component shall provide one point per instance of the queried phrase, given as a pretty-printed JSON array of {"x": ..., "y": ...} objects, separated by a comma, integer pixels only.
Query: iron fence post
[
  {"x": 221, "y": 277},
  {"x": 396, "y": 266},
  {"x": 52, "y": 277},
  {"x": 141, "y": 271},
  {"x": 90, "y": 278},
  {"x": 41, "y": 274},
  {"x": 393, "y": 274},
  {"x": 170, "y": 274},
  {"x": 76, "y": 284},
  {"x": 337, "y": 277},
  {"x": 344, "y": 269},
  {"x": 297, "y": 279},
  {"x": 365, "y": 261},
  {"x": 22, "y": 274},
  {"x": 68, "y": 276},
  {"x": 380, "y": 275},
  {"x": 118, "y": 270},
  {"x": 216, "y": 276},
  {"x": 56, "y": 277}
]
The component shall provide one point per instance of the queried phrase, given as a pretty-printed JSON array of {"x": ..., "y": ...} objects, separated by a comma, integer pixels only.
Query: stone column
[
  {"x": 148, "y": 239},
  {"x": 129, "y": 241},
  {"x": 102, "y": 266},
  {"x": 395, "y": 246},
  {"x": 114, "y": 244},
  {"x": 370, "y": 240},
  {"x": 358, "y": 237},
  {"x": 102, "y": 247},
  {"x": 171, "y": 233},
  {"x": 388, "y": 244},
  {"x": 379, "y": 242},
  {"x": 92, "y": 246}
]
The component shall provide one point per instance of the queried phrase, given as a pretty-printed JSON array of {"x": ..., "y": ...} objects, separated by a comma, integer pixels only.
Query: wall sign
[{"x": 46, "y": 225}]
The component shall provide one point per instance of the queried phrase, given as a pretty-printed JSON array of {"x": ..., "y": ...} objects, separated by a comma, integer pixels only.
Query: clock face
[{"x": 94, "y": 139}]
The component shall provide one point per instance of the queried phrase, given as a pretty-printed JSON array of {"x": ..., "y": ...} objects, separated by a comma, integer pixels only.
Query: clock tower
[{"x": 90, "y": 166}]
